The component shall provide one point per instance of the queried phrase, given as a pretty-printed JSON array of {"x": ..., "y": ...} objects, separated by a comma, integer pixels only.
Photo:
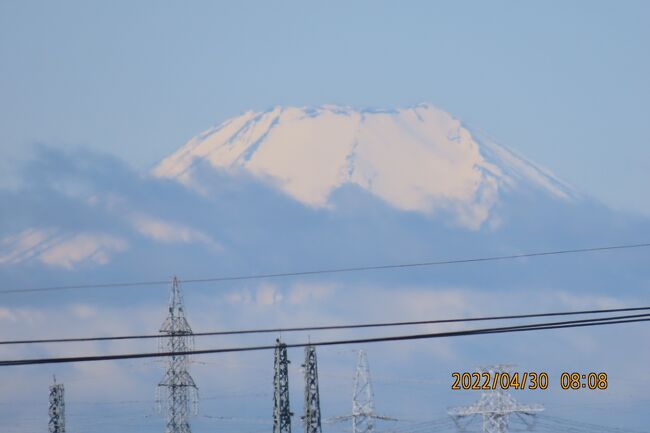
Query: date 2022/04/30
[{"x": 489, "y": 381}]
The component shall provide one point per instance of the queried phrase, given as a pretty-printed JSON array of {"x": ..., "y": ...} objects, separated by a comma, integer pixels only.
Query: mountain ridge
[{"x": 416, "y": 158}]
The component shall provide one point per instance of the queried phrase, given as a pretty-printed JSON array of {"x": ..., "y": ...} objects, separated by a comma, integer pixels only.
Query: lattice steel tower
[
  {"x": 57, "y": 408},
  {"x": 281, "y": 411},
  {"x": 311, "y": 418},
  {"x": 496, "y": 407},
  {"x": 177, "y": 392},
  {"x": 363, "y": 398}
]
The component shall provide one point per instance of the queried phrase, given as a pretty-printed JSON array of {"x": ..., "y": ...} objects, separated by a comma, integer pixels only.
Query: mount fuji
[
  {"x": 414, "y": 159},
  {"x": 304, "y": 188}
]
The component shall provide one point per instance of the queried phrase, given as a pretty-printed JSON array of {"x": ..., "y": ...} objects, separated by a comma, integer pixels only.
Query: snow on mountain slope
[{"x": 415, "y": 159}]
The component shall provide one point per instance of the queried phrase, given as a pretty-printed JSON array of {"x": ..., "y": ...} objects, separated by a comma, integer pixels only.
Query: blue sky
[
  {"x": 111, "y": 88},
  {"x": 565, "y": 83}
]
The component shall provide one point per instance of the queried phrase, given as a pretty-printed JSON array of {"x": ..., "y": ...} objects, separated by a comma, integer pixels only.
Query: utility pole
[
  {"x": 496, "y": 407},
  {"x": 57, "y": 408},
  {"x": 311, "y": 418},
  {"x": 177, "y": 390},
  {"x": 281, "y": 411}
]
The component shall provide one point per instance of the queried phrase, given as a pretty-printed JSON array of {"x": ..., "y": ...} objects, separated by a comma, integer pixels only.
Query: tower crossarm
[{"x": 495, "y": 408}]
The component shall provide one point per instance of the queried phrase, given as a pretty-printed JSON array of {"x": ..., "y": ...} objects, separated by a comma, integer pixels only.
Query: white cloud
[
  {"x": 55, "y": 248},
  {"x": 83, "y": 311},
  {"x": 7, "y": 314},
  {"x": 241, "y": 296},
  {"x": 268, "y": 295},
  {"x": 25, "y": 245},
  {"x": 94, "y": 247},
  {"x": 170, "y": 232},
  {"x": 582, "y": 302},
  {"x": 304, "y": 293}
]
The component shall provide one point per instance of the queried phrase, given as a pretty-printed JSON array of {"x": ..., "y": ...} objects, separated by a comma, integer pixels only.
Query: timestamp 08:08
[{"x": 526, "y": 380}]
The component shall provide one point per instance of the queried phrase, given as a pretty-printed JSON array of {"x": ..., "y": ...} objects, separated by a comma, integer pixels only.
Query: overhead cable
[
  {"x": 497, "y": 330},
  {"x": 323, "y": 271},
  {"x": 327, "y": 327}
]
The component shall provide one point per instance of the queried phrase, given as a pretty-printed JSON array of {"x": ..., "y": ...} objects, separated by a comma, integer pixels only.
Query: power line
[
  {"x": 578, "y": 426},
  {"x": 498, "y": 330},
  {"x": 329, "y": 327},
  {"x": 326, "y": 271}
]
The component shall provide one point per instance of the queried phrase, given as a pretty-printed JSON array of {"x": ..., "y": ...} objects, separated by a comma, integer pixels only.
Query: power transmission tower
[
  {"x": 496, "y": 407},
  {"x": 363, "y": 399},
  {"x": 177, "y": 391},
  {"x": 281, "y": 411},
  {"x": 311, "y": 418},
  {"x": 57, "y": 408}
]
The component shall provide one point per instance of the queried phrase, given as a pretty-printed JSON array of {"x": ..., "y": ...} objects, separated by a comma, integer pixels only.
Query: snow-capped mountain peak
[{"x": 416, "y": 159}]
